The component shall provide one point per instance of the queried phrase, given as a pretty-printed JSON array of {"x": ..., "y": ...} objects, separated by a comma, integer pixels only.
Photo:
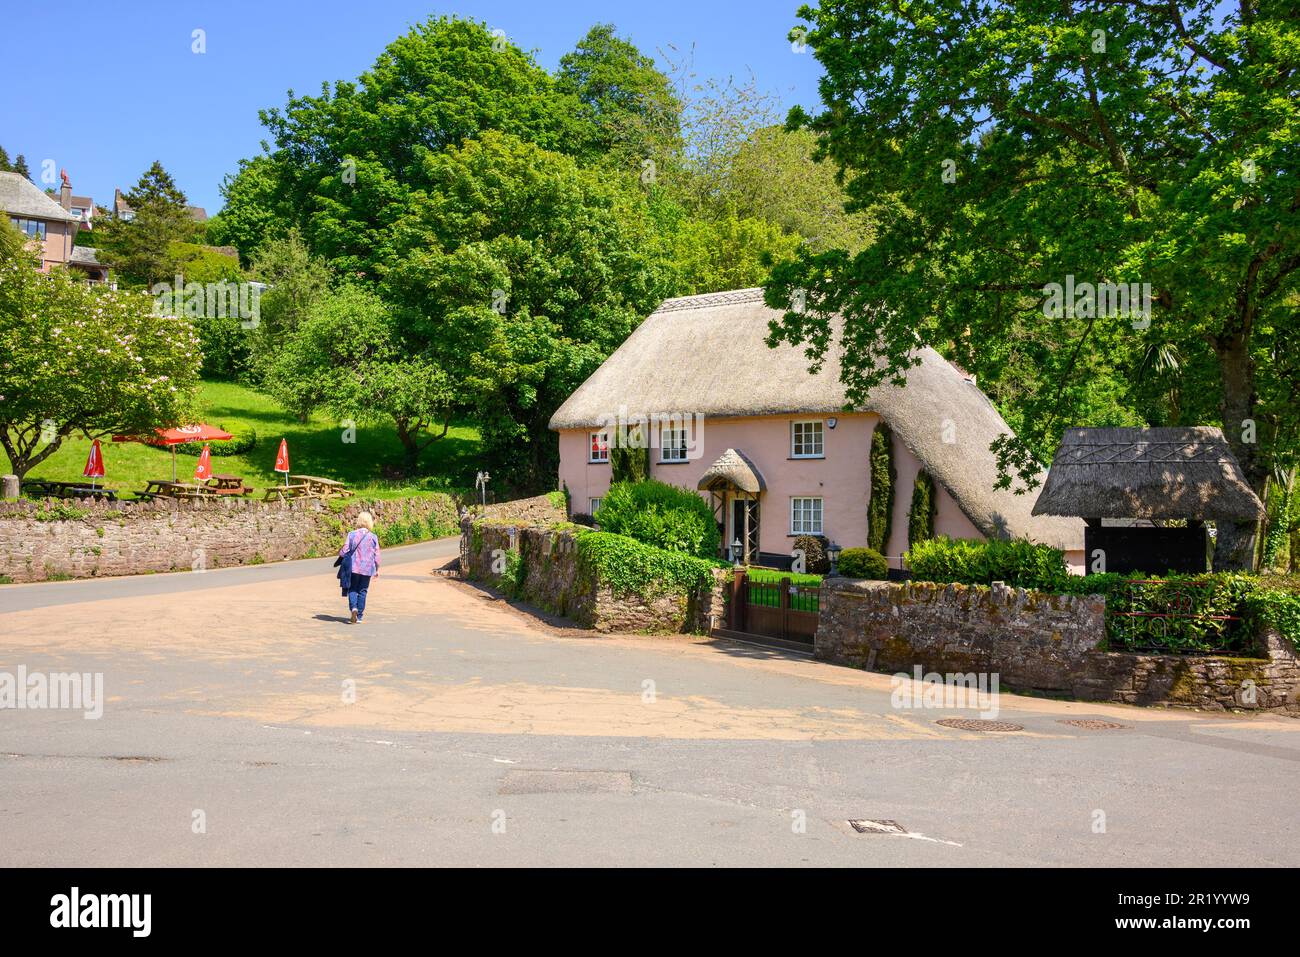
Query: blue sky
[{"x": 123, "y": 88}]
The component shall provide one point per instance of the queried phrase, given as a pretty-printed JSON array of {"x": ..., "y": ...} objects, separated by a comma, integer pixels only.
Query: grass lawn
[
  {"x": 770, "y": 596},
  {"x": 315, "y": 448},
  {"x": 775, "y": 576}
]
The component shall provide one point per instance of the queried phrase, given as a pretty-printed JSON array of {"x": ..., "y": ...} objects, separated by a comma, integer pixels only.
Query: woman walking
[{"x": 358, "y": 563}]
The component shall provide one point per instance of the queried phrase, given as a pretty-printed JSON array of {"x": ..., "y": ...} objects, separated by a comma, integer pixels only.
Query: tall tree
[
  {"x": 20, "y": 166},
  {"x": 141, "y": 248},
  {"x": 1009, "y": 146},
  {"x": 630, "y": 104},
  {"x": 5, "y": 165}
]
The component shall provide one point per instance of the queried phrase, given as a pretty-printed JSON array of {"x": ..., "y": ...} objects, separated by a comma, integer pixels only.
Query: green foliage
[
  {"x": 142, "y": 249},
  {"x": 662, "y": 515},
  {"x": 85, "y": 360},
  {"x": 880, "y": 510},
  {"x": 969, "y": 561},
  {"x": 348, "y": 356},
  {"x": 863, "y": 563},
  {"x": 774, "y": 576},
  {"x": 254, "y": 219},
  {"x": 631, "y": 567},
  {"x": 628, "y": 462},
  {"x": 921, "y": 515},
  {"x": 239, "y": 445},
  {"x": 59, "y": 512},
  {"x": 814, "y": 553},
  {"x": 727, "y": 252},
  {"x": 628, "y": 103}
]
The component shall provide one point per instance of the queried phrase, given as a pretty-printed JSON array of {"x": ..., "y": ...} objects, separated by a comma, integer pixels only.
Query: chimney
[{"x": 65, "y": 191}]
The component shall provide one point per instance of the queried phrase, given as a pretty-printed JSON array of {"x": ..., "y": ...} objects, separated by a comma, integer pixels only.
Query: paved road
[{"x": 450, "y": 728}]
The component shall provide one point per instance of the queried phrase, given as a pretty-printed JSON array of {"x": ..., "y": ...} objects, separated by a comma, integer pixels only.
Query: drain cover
[
  {"x": 877, "y": 827},
  {"x": 1093, "y": 724},
  {"x": 978, "y": 724}
]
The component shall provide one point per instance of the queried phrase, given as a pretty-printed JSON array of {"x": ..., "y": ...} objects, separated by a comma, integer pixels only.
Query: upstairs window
[
  {"x": 807, "y": 440},
  {"x": 599, "y": 450},
  {"x": 672, "y": 445},
  {"x": 33, "y": 228}
]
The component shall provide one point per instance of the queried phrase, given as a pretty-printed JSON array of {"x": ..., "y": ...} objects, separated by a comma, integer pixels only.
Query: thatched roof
[
  {"x": 1147, "y": 473},
  {"x": 732, "y": 469},
  {"x": 706, "y": 354},
  {"x": 19, "y": 196}
]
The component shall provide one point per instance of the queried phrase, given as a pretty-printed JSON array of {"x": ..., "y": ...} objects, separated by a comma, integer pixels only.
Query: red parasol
[
  {"x": 178, "y": 436},
  {"x": 94, "y": 463},
  {"x": 203, "y": 471}
]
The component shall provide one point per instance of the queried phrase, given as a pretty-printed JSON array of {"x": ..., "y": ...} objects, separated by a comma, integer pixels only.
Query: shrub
[
  {"x": 862, "y": 563},
  {"x": 920, "y": 518},
  {"x": 629, "y": 461},
  {"x": 814, "y": 554},
  {"x": 633, "y": 568},
  {"x": 970, "y": 561},
  {"x": 661, "y": 515},
  {"x": 236, "y": 446},
  {"x": 880, "y": 510},
  {"x": 582, "y": 518}
]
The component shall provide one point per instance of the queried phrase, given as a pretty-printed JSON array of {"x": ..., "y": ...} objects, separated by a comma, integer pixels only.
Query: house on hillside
[
  {"x": 122, "y": 209},
  {"x": 770, "y": 442},
  {"x": 51, "y": 223}
]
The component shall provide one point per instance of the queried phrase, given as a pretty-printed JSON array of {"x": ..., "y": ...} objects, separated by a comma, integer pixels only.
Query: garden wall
[
  {"x": 541, "y": 566},
  {"x": 84, "y": 539},
  {"x": 1035, "y": 642}
]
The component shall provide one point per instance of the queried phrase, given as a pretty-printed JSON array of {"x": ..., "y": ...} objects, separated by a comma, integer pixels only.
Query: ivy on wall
[
  {"x": 880, "y": 510},
  {"x": 920, "y": 518},
  {"x": 627, "y": 462}
]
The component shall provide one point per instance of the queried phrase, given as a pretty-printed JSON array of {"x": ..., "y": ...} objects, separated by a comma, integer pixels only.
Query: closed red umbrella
[
  {"x": 282, "y": 460},
  {"x": 203, "y": 471},
  {"x": 94, "y": 463}
]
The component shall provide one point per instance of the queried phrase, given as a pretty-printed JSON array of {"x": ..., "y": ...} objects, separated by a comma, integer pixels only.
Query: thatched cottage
[{"x": 772, "y": 445}]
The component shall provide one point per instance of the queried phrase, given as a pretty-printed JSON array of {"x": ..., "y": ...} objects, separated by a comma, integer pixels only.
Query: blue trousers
[{"x": 357, "y": 594}]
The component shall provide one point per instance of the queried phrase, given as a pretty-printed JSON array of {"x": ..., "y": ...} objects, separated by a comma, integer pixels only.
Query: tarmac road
[{"x": 246, "y": 723}]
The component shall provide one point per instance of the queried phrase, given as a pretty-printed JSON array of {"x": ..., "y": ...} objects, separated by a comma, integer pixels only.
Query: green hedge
[
  {"x": 236, "y": 446},
  {"x": 630, "y": 567},
  {"x": 1022, "y": 564},
  {"x": 862, "y": 563},
  {"x": 920, "y": 518},
  {"x": 662, "y": 515}
]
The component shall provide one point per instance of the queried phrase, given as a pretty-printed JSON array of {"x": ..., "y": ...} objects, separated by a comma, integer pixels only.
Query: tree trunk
[
  {"x": 407, "y": 438},
  {"x": 1234, "y": 548}
]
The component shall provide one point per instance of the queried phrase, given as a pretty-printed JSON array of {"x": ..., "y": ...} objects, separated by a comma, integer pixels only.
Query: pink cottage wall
[{"x": 841, "y": 478}]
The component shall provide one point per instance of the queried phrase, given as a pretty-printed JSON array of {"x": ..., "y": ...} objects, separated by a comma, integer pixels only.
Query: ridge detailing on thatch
[
  {"x": 732, "y": 470},
  {"x": 1185, "y": 472},
  {"x": 707, "y": 355}
]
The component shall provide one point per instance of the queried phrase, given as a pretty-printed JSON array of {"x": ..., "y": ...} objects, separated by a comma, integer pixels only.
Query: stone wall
[
  {"x": 539, "y": 510},
  {"x": 84, "y": 539},
  {"x": 540, "y": 565},
  {"x": 1035, "y": 642}
]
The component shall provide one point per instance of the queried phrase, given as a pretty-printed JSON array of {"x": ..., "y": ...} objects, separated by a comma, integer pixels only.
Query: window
[
  {"x": 805, "y": 516},
  {"x": 672, "y": 445},
  {"x": 806, "y": 440},
  {"x": 599, "y": 451},
  {"x": 595, "y": 504},
  {"x": 34, "y": 228}
]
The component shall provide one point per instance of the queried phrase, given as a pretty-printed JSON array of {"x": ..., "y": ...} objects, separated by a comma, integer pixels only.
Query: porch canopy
[{"x": 734, "y": 478}]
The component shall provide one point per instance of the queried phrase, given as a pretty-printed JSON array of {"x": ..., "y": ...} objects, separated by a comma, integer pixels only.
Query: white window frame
[
  {"x": 801, "y": 517},
  {"x": 591, "y": 448},
  {"x": 672, "y": 445},
  {"x": 595, "y": 504},
  {"x": 821, "y": 439}
]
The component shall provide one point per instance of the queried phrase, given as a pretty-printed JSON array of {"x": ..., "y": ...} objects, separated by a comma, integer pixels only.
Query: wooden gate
[{"x": 775, "y": 609}]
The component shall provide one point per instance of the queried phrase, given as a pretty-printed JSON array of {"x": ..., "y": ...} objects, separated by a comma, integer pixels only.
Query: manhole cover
[
  {"x": 978, "y": 724},
  {"x": 877, "y": 827},
  {"x": 1093, "y": 724}
]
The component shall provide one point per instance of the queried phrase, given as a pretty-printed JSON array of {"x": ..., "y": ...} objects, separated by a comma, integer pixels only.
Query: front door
[{"x": 744, "y": 528}]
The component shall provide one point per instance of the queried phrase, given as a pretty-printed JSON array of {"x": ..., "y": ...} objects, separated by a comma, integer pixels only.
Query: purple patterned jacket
[{"x": 365, "y": 560}]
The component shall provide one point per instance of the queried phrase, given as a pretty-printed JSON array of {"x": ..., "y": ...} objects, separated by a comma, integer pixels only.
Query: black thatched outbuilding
[{"x": 1166, "y": 473}]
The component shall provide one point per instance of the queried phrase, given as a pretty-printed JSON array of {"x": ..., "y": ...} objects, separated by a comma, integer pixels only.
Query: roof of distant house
[
  {"x": 84, "y": 256},
  {"x": 708, "y": 355},
  {"x": 1182, "y": 472},
  {"x": 19, "y": 196}
]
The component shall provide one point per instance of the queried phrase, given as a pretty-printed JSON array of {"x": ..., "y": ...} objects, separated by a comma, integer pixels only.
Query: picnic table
[
  {"x": 164, "y": 488},
  {"x": 48, "y": 488},
  {"x": 322, "y": 487},
  {"x": 285, "y": 492},
  {"x": 223, "y": 484}
]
